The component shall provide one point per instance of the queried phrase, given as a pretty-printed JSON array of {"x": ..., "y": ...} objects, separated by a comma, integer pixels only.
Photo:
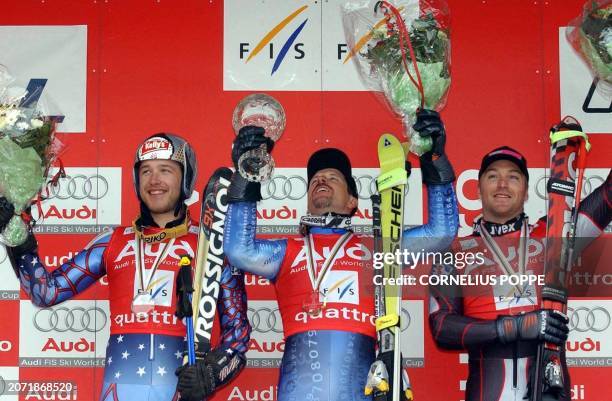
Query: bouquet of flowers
[
  {"x": 28, "y": 146},
  {"x": 591, "y": 36},
  {"x": 402, "y": 50}
]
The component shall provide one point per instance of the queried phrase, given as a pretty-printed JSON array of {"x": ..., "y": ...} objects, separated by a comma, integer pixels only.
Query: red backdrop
[{"x": 159, "y": 65}]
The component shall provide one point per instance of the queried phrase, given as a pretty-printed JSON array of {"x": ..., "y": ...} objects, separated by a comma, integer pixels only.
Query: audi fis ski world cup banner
[
  {"x": 590, "y": 324},
  {"x": 285, "y": 197},
  {"x": 73, "y": 333},
  {"x": 267, "y": 344},
  {"x": 83, "y": 202},
  {"x": 113, "y": 80}
]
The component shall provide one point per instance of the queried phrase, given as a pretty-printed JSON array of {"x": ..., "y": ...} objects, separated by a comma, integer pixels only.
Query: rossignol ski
[
  {"x": 386, "y": 379},
  {"x": 209, "y": 258},
  {"x": 569, "y": 146}
]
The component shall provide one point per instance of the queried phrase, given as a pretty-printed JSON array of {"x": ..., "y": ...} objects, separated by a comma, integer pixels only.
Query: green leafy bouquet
[
  {"x": 591, "y": 36},
  {"x": 403, "y": 52},
  {"x": 28, "y": 146}
]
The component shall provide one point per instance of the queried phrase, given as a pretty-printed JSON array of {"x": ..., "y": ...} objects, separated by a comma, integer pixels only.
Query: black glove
[
  {"x": 195, "y": 381},
  {"x": 248, "y": 138},
  {"x": 553, "y": 377},
  {"x": 429, "y": 124},
  {"x": 435, "y": 167},
  {"x": 7, "y": 211},
  {"x": 218, "y": 367},
  {"x": 543, "y": 325}
]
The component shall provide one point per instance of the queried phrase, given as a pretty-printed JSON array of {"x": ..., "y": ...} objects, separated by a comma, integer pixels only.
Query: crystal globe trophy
[{"x": 263, "y": 111}]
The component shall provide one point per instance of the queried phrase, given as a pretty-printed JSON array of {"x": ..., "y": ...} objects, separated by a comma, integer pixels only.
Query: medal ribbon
[
  {"x": 317, "y": 279},
  {"x": 491, "y": 245},
  {"x": 140, "y": 263}
]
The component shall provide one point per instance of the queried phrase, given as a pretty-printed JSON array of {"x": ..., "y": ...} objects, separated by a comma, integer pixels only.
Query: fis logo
[
  {"x": 361, "y": 42},
  {"x": 267, "y": 41},
  {"x": 341, "y": 286},
  {"x": 160, "y": 288},
  {"x": 35, "y": 88}
]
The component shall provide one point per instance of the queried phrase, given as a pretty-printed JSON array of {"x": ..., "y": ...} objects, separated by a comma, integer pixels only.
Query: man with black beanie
[{"x": 324, "y": 288}]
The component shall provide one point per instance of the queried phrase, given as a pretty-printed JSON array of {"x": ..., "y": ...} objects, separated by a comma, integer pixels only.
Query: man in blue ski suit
[
  {"x": 141, "y": 262},
  {"x": 330, "y": 334}
]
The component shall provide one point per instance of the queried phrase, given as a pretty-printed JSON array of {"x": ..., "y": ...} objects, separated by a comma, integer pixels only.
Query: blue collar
[{"x": 327, "y": 230}]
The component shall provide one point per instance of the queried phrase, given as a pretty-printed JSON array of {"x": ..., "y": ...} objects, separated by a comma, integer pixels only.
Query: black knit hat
[
  {"x": 504, "y": 153},
  {"x": 332, "y": 158}
]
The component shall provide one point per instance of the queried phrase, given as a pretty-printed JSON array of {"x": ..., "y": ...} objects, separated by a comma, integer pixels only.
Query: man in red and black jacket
[{"x": 501, "y": 326}]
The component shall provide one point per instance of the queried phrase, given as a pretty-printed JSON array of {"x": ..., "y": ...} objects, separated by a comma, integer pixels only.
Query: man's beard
[
  {"x": 322, "y": 202},
  {"x": 164, "y": 208}
]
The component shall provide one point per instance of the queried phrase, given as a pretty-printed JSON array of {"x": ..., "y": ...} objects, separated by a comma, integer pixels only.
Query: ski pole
[{"x": 184, "y": 291}]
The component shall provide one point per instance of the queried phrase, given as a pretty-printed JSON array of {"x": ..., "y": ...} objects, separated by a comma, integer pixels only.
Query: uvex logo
[{"x": 266, "y": 41}]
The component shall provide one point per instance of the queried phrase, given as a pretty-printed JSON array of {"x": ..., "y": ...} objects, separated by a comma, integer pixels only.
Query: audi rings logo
[
  {"x": 406, "y": 320},
  {"x": 366, "y": 186},
  {"x": 265, "y": 320},
  {"x": 295, "y": 187},
  {"x": 588, "y": 185},
  {"x": 282, "y": 187},
  {"x": 79, "y": 187},
  {"x": 583, "y": 319},
  {"x": 75, "y": 319}
]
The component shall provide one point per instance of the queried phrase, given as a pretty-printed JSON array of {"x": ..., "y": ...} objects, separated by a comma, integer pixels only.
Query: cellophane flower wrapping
[
  {"x": 590, "y": 34},
  {"x": 375, "y": 50},
  {"x": 28, "y": 147}
]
